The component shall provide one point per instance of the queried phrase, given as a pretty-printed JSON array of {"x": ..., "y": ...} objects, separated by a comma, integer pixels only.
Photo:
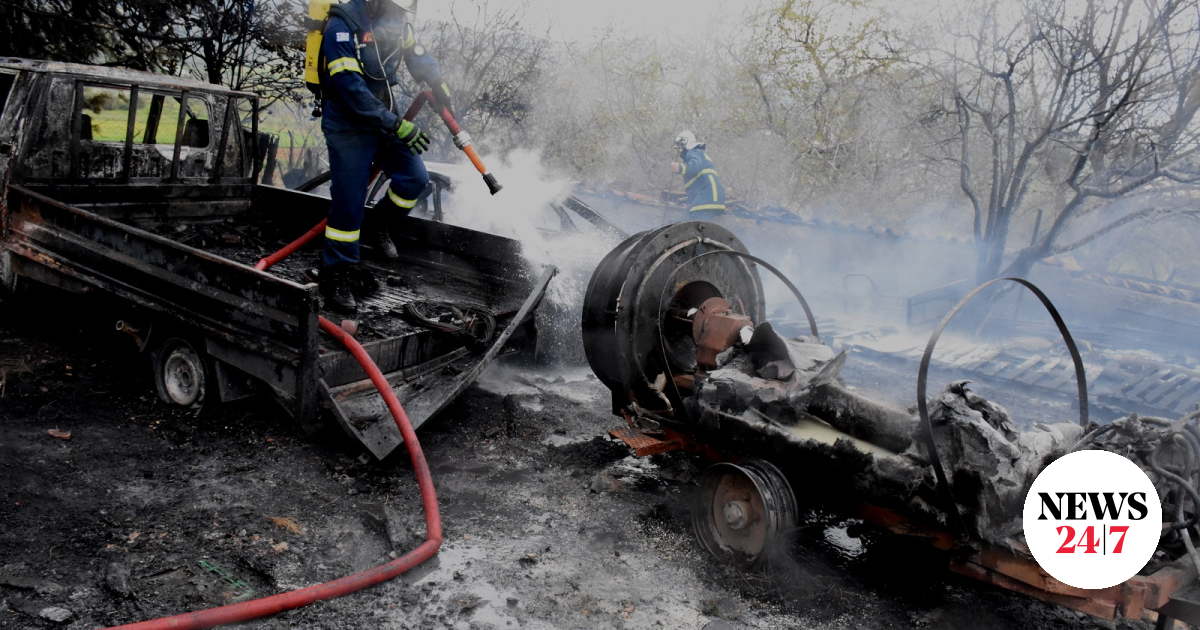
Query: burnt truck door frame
[
  {"x": 14, "y": 84},
  {"x": 8, "y": 81},
  {"x": 216, "y": 173},
  {"x": 159, "y": 95},
  {"x": 10, "y": 110}
]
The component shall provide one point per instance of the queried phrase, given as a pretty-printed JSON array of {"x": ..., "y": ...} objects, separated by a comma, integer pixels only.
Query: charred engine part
[
  {"x": 716, "y": 326},
  {"x": 1169, "y": 453},
  {"x": 955, "y": 473},
  {"x": 990, "y": 464},
  {"x": 927, "y": 429},
  {"x": 653, "y": 273},
  {"x": 741, "y": 509}
]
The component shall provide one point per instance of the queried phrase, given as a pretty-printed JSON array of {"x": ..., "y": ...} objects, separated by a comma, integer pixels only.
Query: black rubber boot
[
  {"x": 363, "y": 283},
  {"x": 384, "y": 244},
  {"x": 335, "y": 286}
]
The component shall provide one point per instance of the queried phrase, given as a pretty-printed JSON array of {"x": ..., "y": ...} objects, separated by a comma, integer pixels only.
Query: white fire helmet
[
  {"x": 407, "y": 5},
  {"x": 686, "y": 140}
]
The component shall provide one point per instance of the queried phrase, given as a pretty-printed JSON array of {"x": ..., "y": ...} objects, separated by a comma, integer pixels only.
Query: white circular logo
[{"x": 1092, "y": 519}]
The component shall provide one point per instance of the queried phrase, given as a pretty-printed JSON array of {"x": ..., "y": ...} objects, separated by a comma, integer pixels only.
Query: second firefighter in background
[
  {"x": 363, "y": 45},
  {"x": 705, "y": 192}
]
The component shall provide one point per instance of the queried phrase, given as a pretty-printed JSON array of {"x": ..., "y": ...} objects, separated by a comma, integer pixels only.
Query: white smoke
[{"x": 523, "y": 211}]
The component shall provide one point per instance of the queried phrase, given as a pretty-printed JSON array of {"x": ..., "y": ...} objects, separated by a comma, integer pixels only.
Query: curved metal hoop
[{"x": 923, "y": 375}]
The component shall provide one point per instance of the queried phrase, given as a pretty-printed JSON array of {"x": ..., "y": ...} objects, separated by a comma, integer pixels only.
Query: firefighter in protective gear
[
  {"x": 363, "y": 45},
  {"x": 705, "y": 192}
]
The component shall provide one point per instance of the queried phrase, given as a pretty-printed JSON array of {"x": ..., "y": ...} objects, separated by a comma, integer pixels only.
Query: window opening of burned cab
[
  {"x": 140, "y": 132},
  {"x": 6, "y": 83}
]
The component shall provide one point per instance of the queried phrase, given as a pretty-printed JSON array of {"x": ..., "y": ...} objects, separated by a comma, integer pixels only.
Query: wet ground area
[{"x": 132, "y": 509}]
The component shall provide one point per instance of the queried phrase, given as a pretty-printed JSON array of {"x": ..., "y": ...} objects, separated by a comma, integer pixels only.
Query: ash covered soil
[{"x": 149, "y": 510}]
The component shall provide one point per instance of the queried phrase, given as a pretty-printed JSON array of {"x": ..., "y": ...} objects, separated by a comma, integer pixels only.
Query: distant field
[{"x": 109, "y": 125}]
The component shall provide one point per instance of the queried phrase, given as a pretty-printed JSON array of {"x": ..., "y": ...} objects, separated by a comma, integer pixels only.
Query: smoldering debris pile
[
  {"x": 789, "y": 389},
  {"x": 990, "y": 463},
  {"x": 1169, "y": 453}
]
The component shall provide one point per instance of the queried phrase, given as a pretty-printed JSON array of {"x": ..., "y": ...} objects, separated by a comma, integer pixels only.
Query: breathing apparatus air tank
[{"x": 318, "y": 15}]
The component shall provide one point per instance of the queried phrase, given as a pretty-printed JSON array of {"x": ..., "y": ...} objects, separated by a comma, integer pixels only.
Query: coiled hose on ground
[{"x": 474, "y": 326}]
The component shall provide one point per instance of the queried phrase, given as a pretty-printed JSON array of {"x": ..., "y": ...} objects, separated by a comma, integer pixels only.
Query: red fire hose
[
  {"x": 235, "y": 613},
  {"x": 266, "y": 606},
  {"x": 288, "y": 249}
]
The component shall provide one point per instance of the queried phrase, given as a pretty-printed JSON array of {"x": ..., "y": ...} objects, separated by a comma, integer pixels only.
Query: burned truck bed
[
  {"x": 413, "y": 279},
  {"x": 258, "y": 329}
]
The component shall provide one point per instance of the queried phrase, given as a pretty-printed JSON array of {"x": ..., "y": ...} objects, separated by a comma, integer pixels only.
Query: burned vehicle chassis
[{"x": 673, "y": 324}]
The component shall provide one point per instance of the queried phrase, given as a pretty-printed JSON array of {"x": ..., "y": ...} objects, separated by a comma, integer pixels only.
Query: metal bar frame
[
  {"x": 130, "y": 122},
  {"x": 254, "y": 140},
  {"x": 183, "y": 102},
  {"x": 76, "y": 130},
  {"x": 226, "y": 124}
]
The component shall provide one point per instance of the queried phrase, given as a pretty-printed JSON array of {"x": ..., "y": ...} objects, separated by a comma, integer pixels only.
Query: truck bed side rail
[{"x": 265, "y": 325}]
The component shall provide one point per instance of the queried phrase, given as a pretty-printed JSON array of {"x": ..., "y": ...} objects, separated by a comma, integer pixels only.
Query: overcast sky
[{"x": 581, "y": 19}]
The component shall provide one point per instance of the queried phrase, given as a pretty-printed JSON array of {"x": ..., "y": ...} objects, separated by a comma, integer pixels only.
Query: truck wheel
[
  {"x": 743, "y": 511},
  {"x": 181, "y": 374}
]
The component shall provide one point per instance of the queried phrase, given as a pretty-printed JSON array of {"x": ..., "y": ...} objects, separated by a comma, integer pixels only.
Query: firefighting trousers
[{"x": 350, "y": 159}]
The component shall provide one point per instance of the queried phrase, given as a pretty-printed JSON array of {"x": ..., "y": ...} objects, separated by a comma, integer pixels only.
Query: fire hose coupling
[{"x": 462, "y": 140}]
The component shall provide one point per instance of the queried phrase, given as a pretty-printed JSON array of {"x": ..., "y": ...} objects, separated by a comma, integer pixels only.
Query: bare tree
[
  {"x": 1066, "y": 108},
  {"x": 494, "y": 65},
  {"x": 823, "y": 78},
  {"x": 244, "y": 44},
  {"x": 250, "y": 45}
]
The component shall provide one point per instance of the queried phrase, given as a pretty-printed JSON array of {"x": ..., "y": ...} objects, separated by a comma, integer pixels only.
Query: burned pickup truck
[{"x": 145, "y": 188}]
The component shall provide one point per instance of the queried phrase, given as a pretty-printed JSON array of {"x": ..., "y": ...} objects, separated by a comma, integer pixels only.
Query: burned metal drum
[{"x": 644, "y": 279}]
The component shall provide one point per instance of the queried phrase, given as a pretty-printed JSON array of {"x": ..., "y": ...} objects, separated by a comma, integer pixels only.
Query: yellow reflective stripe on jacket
[
  {"x": 340, "y": 236},
  {"x": 713, "y": 180},
  {"x": 400, "y": 201},
  {"x": 711, "y": 206},
  {"x": 410, "y": 38},
  {"x": 683, "y": 170},
  {"x": 344, "y": 63},
  {"x": 707, "y": 171}
]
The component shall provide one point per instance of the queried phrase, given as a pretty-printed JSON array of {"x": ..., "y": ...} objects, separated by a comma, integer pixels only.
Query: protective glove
[
  {"x": 674, "y": 167},
  {"x": 412, "y": 137}
]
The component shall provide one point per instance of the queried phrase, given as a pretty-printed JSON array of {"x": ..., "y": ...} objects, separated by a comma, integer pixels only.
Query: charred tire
[
  {"x": 628, "y": 296},
  {"x": 743, "y": 511},
  {"x": 182, "y": 375}
]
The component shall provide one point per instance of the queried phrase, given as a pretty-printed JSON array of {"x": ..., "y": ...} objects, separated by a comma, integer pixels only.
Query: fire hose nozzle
[
  {"x": 462, "y": 140},
  {"x": 491, "y": 182}
]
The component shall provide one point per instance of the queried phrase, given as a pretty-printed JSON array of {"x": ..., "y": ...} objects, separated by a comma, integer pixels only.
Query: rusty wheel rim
[{"x": 743, "y": 510}]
